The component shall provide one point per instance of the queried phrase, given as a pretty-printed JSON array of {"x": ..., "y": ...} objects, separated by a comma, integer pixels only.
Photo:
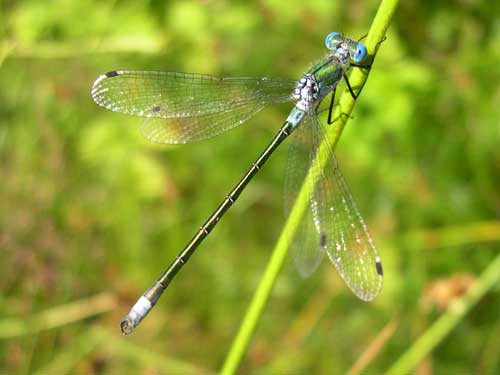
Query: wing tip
[
  {"x": 112, "y": 73},
  {"x": 101, "y": 77},
  {"x": 371, "y": 290},
  {"x": 98, "y": 88},
  {"x": 378, "y": 266}
]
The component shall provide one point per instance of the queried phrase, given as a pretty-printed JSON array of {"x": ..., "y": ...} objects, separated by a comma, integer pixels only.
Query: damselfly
[{"x": 184, "y": 107}]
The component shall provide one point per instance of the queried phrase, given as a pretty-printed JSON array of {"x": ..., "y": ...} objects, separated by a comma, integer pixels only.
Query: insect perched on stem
[{"x": 185, "y": 107}]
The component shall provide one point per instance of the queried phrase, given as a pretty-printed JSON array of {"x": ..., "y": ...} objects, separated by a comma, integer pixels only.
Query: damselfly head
[{"x": 356, "y": 50}]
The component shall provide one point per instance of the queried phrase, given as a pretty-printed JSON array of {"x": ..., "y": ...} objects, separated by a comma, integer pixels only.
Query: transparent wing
[
  {"x": 343, "y": 232},
  {"x": 189, "y": 129},
  {"x": 185, "y": 107},
  {"x": 332, "y": 224},
  {"x": 306, "y": 249}
]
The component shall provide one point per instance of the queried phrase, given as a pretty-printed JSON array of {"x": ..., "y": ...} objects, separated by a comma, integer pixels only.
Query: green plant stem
[
  {"x": 343, "y": 112},
  {"x": 442, "y": 327},
  {"x": 58, "y": 316}
]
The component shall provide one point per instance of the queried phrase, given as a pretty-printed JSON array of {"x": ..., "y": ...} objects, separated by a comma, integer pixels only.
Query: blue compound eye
[
  {"x": 359, "y": 53},
  {"x": 333, "y": 40}
]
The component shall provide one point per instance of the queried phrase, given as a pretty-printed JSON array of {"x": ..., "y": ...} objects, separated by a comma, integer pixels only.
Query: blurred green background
[{"x": 90, "y": 213}]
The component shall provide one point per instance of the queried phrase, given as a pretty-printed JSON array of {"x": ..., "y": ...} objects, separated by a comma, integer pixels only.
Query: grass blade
[{"x": 443, "y": 326}]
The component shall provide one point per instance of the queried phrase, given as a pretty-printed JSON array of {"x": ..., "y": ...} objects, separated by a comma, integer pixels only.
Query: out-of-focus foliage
[{"x": 87, "y": 206}]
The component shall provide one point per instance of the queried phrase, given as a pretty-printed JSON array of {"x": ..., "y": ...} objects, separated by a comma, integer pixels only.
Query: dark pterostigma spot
[
  {"x": 113, "y": 73},
  {"x": 156, "y": 109},
  {"x": 378, "y": 264},
  {"x": 322, "y": 240}
]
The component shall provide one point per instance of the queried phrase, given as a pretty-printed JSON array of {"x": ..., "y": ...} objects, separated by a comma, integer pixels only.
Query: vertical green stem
[{"x": 261, "y": 296}]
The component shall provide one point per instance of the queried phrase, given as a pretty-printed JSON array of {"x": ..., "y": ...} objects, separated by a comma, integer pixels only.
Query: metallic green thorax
[{"x": 327, "y": 73}]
